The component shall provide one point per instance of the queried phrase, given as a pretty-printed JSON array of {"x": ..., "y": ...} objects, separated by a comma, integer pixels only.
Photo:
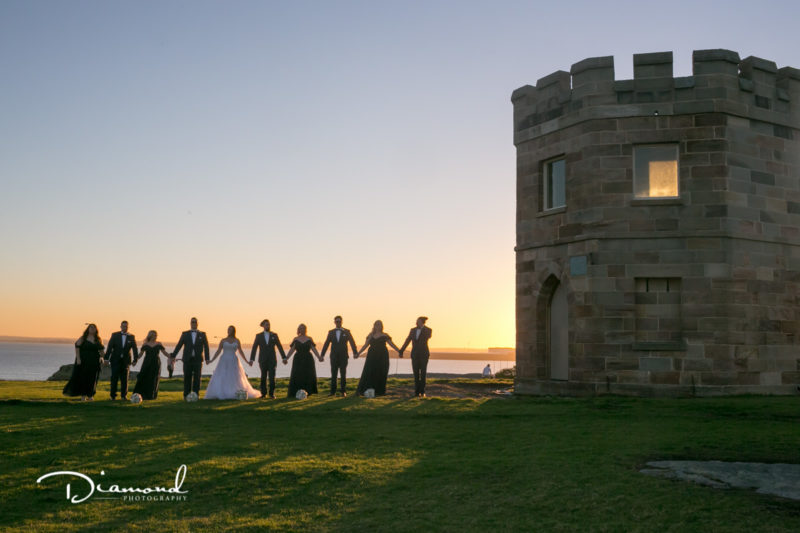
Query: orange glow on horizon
[{"x": 456, "y": 322}]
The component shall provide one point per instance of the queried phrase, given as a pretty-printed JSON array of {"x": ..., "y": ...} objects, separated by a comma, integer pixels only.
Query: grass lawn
[{"x": 477, "y": 463}]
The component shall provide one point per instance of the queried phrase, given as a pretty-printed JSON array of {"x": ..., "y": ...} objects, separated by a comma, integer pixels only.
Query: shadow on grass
[{"x": 392, "y": 464}]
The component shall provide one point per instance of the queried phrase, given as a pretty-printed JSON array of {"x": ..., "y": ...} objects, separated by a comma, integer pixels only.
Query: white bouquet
[
  {"x": 191, "y": 397},
  {"x": 241, "y": 394},
  {"x": 301, "y": 395},
  {"x": 369, "y": 393},
  {"x": 136, "y": 398}
]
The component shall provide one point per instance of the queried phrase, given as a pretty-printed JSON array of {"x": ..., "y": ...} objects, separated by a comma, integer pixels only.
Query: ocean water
[{"x": 38, "y": 361}]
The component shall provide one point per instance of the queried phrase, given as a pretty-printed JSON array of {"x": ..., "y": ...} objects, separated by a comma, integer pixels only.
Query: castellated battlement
[{"x": 754, "y": 88}]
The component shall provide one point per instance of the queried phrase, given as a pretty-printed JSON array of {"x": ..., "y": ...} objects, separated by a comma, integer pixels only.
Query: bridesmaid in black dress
[
  {"x": 88, "y": 358},
  {"x": 150, "y": 374},
  {"x": 304, "y": 372},
  {"x": 376, "y": 367}
]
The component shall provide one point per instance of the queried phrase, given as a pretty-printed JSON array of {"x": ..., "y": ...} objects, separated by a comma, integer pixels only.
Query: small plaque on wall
[{"x": 578, "y": 265}]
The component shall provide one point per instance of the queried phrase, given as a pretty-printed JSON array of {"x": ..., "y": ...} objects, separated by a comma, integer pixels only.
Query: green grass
[{"x": 390, "y": 464}]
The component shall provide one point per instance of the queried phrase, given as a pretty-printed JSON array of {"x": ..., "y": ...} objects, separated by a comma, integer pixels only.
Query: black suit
[
  {"x": 119, "y": 354},
  {"x": 266, "y": 359},
  {"x": 192, "y": 359},
  {"x": 419, "y": 356},
  {"x": 339, "y": 355}
]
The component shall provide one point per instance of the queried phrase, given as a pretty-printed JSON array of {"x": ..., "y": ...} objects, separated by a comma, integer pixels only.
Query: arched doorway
[{"x": 558, "y": 324}]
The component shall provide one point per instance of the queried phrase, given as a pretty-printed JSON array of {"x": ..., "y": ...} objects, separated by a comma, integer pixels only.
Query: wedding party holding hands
[{"x": 229, "y": 380}]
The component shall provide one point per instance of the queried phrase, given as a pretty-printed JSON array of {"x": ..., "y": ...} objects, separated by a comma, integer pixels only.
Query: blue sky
[{"x": 294, "y": 159}]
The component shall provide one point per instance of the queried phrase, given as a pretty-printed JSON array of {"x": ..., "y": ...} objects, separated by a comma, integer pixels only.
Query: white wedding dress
[{"x": 229, "y": 376}]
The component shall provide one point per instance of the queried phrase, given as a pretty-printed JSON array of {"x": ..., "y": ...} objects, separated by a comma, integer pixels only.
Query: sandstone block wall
[{"x": 698, "y": 294}]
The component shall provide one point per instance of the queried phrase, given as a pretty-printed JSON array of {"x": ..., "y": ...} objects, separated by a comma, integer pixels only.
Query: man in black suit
[
  {"x": 338, "y": 339},
  {"x": 195, "y": 346},
  {"x": 118, "y": 353},
  {"x": 418, "y": 337},
  {"x": 266, "y": 342}
]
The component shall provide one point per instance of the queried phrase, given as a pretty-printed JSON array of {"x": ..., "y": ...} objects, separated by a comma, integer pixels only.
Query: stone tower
[{"x": 658, "y": 228}]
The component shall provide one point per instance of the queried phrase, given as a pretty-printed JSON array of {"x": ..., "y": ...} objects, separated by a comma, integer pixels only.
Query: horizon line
[{"x": 68, "y": 340}]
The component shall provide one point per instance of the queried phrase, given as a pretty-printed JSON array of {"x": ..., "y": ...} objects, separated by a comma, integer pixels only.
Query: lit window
[
  {"x": 554, "y": 184},
  {"x": 655, "y": 173}
]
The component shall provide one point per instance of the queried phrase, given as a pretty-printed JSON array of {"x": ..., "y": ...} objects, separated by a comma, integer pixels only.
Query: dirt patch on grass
[{"x": 449, "y": 390}]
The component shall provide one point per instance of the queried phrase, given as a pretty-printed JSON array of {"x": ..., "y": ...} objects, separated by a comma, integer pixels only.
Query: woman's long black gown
[
  {"x": 376, "y": 367},
  {"x": 83, "y": 381},
  {"x": 304, "y": 373},
  {"x": 150, "y": 374}
]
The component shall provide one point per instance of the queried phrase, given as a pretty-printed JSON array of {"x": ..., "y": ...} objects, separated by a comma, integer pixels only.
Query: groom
[
  {"x": 195, "y": 345},
  {"x": 266, "y": 342},
  {"x": 338, "y": 339},
  {"x": 118, "y": 352}
]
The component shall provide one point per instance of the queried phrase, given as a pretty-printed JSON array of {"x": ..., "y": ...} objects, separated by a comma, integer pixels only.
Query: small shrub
[{"x": 506, "y": 372}]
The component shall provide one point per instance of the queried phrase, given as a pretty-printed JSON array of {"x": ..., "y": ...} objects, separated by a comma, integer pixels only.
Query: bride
[{"x": 229, "y": 376}]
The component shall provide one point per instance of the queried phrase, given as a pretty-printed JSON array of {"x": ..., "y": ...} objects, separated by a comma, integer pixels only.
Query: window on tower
[
  {"x": 555, "y": 174},
  {"x": 655, "y": 171}
]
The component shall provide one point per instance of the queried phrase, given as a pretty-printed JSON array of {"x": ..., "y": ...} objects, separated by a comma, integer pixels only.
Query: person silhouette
[
  {"x": 195, "y": 345},
  {"x": 118, "y": 353},
  {"x": 229, "y": 377},
  {"x": 376, "y": 367},
  {"x": 150, "y": 374},
  {"x": 338, "y": 339},
  {"x": 304, "y": 373},
  {"x": 265, "y": 343},
  {"x": 419, "y": 337},
  {"x": 86, "y": 370}
]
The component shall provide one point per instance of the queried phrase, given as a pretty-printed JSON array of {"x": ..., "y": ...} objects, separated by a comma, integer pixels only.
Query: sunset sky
[{"x": 293, "y": 160}]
